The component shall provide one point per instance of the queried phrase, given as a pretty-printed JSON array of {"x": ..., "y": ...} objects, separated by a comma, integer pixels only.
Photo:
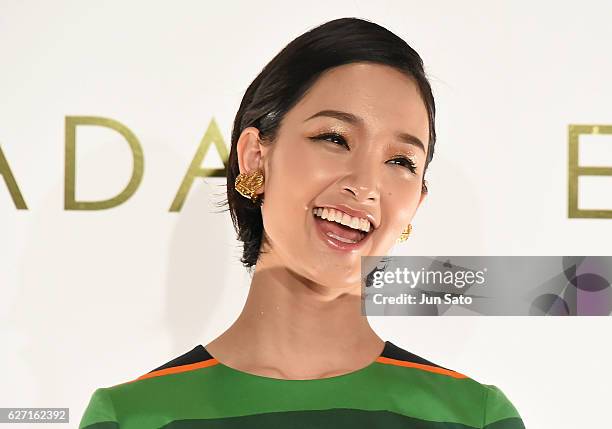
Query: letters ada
[{"x": 212, "y": 137}]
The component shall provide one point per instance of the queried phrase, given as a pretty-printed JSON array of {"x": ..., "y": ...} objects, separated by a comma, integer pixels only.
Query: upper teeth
[{"x": 342, "y": 218}]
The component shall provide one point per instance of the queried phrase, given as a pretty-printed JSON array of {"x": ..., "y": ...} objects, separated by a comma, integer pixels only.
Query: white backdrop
[{"x": 95, "y": 298}]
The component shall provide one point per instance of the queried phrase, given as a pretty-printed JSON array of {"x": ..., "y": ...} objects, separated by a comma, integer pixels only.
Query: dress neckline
[{"x": 303, "y": 380}]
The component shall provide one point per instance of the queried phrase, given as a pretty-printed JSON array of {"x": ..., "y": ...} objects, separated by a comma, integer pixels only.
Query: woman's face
[{"x": 352, "y": 140}]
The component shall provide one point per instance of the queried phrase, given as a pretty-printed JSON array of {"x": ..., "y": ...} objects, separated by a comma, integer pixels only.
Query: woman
[{"x": 328, "y": 155}]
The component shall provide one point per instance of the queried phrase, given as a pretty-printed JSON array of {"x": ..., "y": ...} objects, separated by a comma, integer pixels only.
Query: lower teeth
[{"x": 342, "y": 239}]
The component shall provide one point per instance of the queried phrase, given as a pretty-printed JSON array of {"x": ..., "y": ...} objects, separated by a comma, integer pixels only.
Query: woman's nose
[{"x": 363, "y": 179}]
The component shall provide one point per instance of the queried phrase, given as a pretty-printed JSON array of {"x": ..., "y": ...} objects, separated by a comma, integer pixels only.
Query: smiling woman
[
  {"x": 328, "y": 157},
  {"x": 344, "y": 136}
]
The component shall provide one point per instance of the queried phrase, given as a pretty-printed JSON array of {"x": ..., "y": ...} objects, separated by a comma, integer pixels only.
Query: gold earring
[
  {"x": 248, "y": 183},
  {"x": 405, "y": 233}
]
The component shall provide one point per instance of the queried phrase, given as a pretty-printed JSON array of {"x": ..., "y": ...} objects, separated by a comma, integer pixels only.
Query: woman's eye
[
  {"x": 406, "y": 162},
  {"x": 339, "y": 140},
  {"x": 332, "y": 137}
]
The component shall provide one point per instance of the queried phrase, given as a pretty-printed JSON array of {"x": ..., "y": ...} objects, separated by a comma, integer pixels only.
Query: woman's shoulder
[
  {"x": 192, "y": 359},
  {"x": 187, "y": 360},
  {"x": 417, "y": 365},
  {"x": 407, "y": 370},
  {"x": 152, "y": 388}
]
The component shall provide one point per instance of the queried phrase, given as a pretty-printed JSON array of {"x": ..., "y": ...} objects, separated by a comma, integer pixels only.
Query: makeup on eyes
[{"x": 407, "y": 158}]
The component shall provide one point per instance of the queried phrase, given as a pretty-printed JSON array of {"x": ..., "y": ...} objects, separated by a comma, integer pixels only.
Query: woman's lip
[{"x": 337, "y": 244}]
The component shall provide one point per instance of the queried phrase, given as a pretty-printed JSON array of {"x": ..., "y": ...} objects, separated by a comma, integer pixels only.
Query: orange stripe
[
  {"x": 177, "y": 369},
  {"x": 424, "y": 367}
]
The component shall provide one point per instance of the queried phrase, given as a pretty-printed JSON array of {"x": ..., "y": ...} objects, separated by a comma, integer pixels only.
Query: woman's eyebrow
[
  {"x": 356, "y": 120},
  {"x": 343, "y": 116},
  {"x": 410, "y": 139}
]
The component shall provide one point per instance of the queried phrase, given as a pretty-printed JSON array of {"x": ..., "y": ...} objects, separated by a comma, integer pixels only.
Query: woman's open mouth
[{"x": 341, "y": 231}]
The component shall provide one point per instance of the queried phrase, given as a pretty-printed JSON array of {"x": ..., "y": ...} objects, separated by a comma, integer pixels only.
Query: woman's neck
[{"x": 291, "y": 327}]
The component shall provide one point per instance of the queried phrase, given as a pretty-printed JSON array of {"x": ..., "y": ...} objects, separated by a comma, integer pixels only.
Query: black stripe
[
  {"x": 197, "y": 354},
  {"x": 334, "y": 418},
  {"x": 102, "y": 425},
  {"x": 394, "y": 352},
  {"x": 509, "y": 423}
]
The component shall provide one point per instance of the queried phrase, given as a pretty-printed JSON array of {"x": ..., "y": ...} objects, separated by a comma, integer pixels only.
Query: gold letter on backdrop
[
  {"x": 575, "y": 170},
  {"x": 11, "y": 183},
  {"x": 70, "y": 168},
  {"x": 212, "y": 135}
]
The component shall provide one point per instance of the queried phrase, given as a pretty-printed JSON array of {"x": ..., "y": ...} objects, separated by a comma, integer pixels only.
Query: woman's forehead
[
  {"x": 378, "y": 96},
  {"x": 369, "y": 88}
]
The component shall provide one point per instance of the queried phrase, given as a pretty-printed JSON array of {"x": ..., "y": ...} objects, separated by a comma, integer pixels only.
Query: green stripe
[
  {"x": 498, "y": 408},
  {"x": 99, "y": 411},
  {"x": 217, "y": 392},
  {"x": 320, "y": 419}
]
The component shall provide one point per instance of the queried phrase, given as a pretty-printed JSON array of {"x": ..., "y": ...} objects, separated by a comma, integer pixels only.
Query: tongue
[{"x": 340, "y": 230}]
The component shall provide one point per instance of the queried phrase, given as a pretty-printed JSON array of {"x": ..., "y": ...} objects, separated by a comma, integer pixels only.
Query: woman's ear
[
  {"x": 424, "y": 192},
  {"x": 248, "y": 150}
]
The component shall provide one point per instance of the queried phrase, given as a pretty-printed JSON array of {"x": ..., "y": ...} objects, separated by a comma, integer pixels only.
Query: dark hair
[{"x": 285, "y": 80}]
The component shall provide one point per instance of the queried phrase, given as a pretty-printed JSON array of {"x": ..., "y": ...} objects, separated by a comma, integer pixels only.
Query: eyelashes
[
  {"x": 341, "y": 141},
  {"x": 407, "y": 162},
  {"x": 336, "y": 136}
]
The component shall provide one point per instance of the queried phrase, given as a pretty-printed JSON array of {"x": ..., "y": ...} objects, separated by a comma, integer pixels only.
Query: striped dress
[{"x": 398, "y": 390}]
